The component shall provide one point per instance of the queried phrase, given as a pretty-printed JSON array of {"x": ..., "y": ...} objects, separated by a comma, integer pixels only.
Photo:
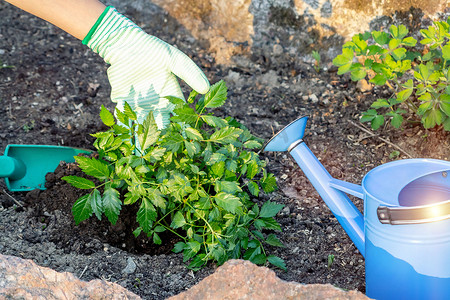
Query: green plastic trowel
[{"x": 24, "y": 166}]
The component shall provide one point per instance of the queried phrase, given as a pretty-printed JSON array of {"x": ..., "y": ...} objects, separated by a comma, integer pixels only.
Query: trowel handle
[{"x": 12, "y": 168}]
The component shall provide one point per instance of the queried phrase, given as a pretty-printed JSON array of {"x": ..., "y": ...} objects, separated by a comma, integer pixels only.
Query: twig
[
  {"x": 382, "y": 139},
  {"x": 12, "y": 198},
  {"x": 82, "y": 273}
]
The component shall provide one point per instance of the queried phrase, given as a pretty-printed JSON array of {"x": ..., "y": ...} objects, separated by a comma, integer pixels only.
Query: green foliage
[
  {"x": 419, "y": 80},
  {"x": 316, "y": 56},
  {"x": 194, "y": 179}
]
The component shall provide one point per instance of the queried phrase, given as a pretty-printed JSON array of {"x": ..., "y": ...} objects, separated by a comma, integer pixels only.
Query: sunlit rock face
[{"x": 264, "y": 28}]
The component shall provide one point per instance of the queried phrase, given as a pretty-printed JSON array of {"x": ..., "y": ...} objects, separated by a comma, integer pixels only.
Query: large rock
[
  {"x": 236, "y": 279},
  {"x": 239, "y": 279},
  {"x": 23, "y": 279}
]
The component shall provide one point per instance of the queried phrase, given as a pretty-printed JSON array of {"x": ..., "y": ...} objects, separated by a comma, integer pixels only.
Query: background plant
[
  {"x": 194, "y": 179},
  {"x": 418, "y": 78}
]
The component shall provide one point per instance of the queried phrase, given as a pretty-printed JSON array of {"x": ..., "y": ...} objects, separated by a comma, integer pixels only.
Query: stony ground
[{"x": 53, "y": 93}]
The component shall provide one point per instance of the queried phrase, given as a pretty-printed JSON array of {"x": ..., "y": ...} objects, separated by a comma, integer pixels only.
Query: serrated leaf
[
  {"x": 380, "y": 103},
  {"x": 252, "y": 144},
  {"x": 405, "y": 94},
  {"x": 252, "y": 169},
  {"x": 274, "y": 241},
  {"x": 106, "y": 116},
  {"x": 192, "y": 148},
  {"x": 358, "y": 74},
  {"x": 277, "y": 262},
  {"x": 432, "y": 118},
  {"x": 445, "y": 104},
  {"x": 216, "y": 96},
  {"x": 95, "y": 201},
  {"x": 149, "y": 133},
  {"x": 79, "y": 182},
  {"x": 228, "y": 202},
  {"x": 81, "y": 210},
  {"x": 178, "y": 247},
  {"x": 380, "y": 37},
  {"x": 344, "y": 59},
  {"x": 399, "y": 53},
  {"x": 270, "y": 223},
  {"x": 93, "y": 167},
  {"x": 225, "y": 135},
  {"x": 122, "y": 118},
  {"x": 378, "y": 79},
  {"x": 146, "y": 215},
  {"x": 214, "y": 121},
  {"x": 269, "y": 183},
  {"x": 270, "y": 209},
  {"x": 156, "y": 239},
  {"x": 377, "y": 121},
  {"x": 259, "y": 259},
  {"x": 396, "y": 120},
  {"x": 409, "y": 41},
  {"x": 253, "y": 188},
  {"x": 446, "y": 52},
  {"x": 156, "y": 197},
  {"x": 128, "y": 111},
  {"x": 111, "y": 204},
  {"x": 185, "y": 114},
  {"x": 230, "y": 187},
  {"x": 178, "y": 220},
  {"x": 193, "y": 134}
]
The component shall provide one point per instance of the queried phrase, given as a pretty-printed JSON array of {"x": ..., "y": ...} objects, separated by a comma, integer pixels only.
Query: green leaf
[
  {"x": 95, "y": 201},
  {"x": 229, "y": 187},
  {"x": 380, "y": 103},
  {"x": 398, "y": 32},
  {"x": 178, "y": 247},
  {"x": 216, "y": 96},
  {"x": 106, "y": 116},
  {"x": 252, "y": 144},
  {"x": 253, "y": 188},
  {"x": 122, "y": 118},
  {"x": 432, "y": 118},
  {"x": 380, "y": 37},
  {"x": 214, "y": 121},
  {"x": 274, "y": 241},
  {"x": 445, "y": 103},
  {"x": 277, "y": 262},
  {"x": 270, "y": 209},
  {"x": 409, "y": 41},
  {"x": 252, "y": 169},
  {"x": 93, "y": 167},
  {"x": 378, "y": 79},
  {"x": 228, "y": 202},
  {"x": 394, "y": 43},
  {"x": 82, "y": 209},
  {"x": 446, "y": 124},
  {"x": 377, "y": 121},
  {"x": 269, "y": 183},
  {"x": 146, "y": 215},
  {"x": 446, "y": 52},
  {"x": 128, "y": 111},
  {"x": 358, "y": 74},
  {"x": 156, "y": 239},
  {"x": 178, "y": 220},
  {"x": 79, "y": 182},
  {"x": 149, "y": 133},
  {"x": 399, "y": 53},
  {"x": 156, "y": 197},
  {"x": 344, "y": 59},
  {"x": 193, "y": 134},
  {"x": 259, "y": 259},
  {"x": 396, "y": 120},
  {"x": 225, "y": 135},
  {"x": 184, "y": 114},
  {"x": 111, "y": 204}
]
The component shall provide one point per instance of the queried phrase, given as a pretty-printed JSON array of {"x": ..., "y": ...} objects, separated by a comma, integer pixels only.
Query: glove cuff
[
  {"x": 109, "y": 28},
  {"x": 91, "y": 32}
]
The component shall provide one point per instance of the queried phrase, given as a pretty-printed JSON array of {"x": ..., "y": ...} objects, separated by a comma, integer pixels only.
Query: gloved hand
[{"x": 143, "y": 67}]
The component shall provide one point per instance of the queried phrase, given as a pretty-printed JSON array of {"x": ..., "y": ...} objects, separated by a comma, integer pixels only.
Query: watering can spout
[{"x": 332, "y": 191}]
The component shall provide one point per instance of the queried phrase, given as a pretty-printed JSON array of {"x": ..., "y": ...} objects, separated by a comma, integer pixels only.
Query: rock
[
  {"x": 313, "y": 98},
  {"x": 131, "y": 266},
  {"x": 239, "y": 279},
  {"x": 364, "y": 86},
  {"x": 23, "y": 279}
]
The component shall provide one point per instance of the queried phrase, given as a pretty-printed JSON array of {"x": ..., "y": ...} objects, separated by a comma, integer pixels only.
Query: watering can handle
[{"x": 414, "y": 214}]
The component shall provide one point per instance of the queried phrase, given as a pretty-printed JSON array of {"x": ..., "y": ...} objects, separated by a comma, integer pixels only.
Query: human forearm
[{"x": 73, "y": 16}]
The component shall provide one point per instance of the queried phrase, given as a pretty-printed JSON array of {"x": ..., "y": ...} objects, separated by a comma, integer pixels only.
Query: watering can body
[{"x": 405, "y": 232}]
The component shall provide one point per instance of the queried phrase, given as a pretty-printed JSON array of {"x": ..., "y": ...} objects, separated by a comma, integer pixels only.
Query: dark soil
[{"x": 53, "y": 94}]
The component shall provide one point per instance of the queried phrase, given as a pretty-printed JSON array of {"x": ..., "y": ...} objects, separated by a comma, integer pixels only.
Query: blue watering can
[{"x": 405, "y": 232}]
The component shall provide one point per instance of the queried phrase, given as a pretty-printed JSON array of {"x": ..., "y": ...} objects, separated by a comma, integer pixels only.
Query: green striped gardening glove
[{"x": 143, "y": 67}]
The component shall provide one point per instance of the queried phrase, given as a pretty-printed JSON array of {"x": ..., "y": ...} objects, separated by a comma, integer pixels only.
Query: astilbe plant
[
  {"x": 195, "y": 179},
  {"x": 417, "y": 77}
]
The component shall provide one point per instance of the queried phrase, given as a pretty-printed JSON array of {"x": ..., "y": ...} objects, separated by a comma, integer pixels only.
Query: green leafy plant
[
  {"x": 316, "y": 56},
  {"x": 419, "y": 79},
  {"x": 330, "y": 260},
  {"x": 194, "y": 179}
]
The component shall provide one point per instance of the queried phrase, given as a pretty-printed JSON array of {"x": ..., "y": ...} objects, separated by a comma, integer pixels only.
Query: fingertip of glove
[{"x": 204, "y": 88}]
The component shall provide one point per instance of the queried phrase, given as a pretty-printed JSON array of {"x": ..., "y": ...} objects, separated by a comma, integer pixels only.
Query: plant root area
[{"x": 53, "y": 93}]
